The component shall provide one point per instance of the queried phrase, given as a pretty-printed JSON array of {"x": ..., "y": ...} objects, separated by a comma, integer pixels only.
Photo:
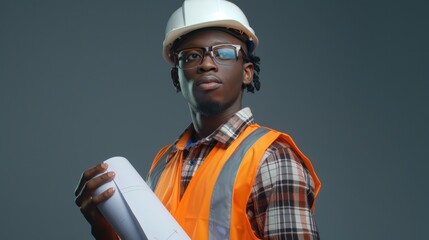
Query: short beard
[{"x": 209, "y": 108}]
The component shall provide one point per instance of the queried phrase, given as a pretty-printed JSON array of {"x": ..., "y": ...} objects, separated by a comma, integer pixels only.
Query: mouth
[{"x": 208, "y": 83}]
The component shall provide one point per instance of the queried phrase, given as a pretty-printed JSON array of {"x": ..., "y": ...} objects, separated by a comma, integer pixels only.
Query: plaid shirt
[{"x": 283, "y": 190}]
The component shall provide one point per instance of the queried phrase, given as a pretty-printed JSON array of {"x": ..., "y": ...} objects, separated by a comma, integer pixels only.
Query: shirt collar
[
  {"x": 225, "y": 134},
  {"x": 230, "y": 130}
]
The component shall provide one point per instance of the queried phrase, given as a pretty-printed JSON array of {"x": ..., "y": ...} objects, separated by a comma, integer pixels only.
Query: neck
[{"x": 204, "y": 125}]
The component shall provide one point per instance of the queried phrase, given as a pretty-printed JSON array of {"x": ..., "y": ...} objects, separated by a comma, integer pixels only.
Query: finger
[
  {"x": 89, "y": 174},
  {"x": 92, "y": 185},
  {"x": 103, "y": 196},
  {"x": 96, "y": 182},
  {"x": 89, "y": 206}
]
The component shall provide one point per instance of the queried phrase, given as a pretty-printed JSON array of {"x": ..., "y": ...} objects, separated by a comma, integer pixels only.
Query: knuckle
[
  {"x": 91, "y": 185},
  {"x": 105, "y": 176},
  {"x": 95, "y": 200},
  {"x": 86, "y": 175}
]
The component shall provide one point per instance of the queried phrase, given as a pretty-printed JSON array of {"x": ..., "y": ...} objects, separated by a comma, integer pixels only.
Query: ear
[
  {"x": 175, "y": 78},
  {"x": 247, "y": 73}
]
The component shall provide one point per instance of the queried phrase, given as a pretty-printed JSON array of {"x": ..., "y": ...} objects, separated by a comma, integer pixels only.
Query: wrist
[{"x": 104, "y": 233}]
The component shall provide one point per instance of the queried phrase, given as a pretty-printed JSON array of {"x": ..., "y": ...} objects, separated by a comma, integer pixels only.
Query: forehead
[{"x": 207, "y": 37}]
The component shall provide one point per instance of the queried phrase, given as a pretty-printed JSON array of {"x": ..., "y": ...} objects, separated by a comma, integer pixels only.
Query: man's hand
[{"x": 100, "y": 228}]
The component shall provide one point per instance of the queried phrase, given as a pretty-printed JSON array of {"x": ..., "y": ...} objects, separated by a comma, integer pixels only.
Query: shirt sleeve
[{"x": 282, "y": 196}]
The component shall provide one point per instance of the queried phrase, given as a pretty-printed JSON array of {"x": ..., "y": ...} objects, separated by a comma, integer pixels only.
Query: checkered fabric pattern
[{"x": 283, "y": 191}]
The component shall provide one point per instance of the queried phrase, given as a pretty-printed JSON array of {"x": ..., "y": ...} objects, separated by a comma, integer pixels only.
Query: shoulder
[
  {"x": 280, "y": 164},
  {"x": 283, "y": 187}
]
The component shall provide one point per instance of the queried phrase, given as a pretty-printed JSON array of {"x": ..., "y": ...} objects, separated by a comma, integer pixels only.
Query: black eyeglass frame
[{"x": 209, "y": 50}]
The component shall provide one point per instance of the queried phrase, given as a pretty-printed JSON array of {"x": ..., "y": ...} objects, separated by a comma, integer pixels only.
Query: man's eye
[{"x": 193, "y": 56}]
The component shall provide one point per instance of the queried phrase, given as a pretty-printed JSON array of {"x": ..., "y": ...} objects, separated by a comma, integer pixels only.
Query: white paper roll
[{"x": 134, "y": 211}]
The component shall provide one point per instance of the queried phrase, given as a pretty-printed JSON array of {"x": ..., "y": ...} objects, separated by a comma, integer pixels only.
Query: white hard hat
[{"x": 197, "y": 14}]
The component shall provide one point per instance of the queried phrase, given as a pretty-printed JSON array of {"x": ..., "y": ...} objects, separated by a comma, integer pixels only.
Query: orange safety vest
[{"x": 214, "y": 203}]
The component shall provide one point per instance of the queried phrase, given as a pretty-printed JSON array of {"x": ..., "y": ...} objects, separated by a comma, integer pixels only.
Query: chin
[{"x": 209, "y": 108}]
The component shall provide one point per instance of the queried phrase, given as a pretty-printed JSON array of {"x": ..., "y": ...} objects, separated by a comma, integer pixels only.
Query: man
[{"x": 226, "y": 177}]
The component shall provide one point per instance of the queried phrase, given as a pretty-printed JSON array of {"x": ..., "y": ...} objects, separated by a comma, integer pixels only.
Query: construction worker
[{"x": 225, "y": 177}]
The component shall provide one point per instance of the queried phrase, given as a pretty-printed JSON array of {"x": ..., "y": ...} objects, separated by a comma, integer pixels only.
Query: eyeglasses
[{"x": 223, "y": 54}]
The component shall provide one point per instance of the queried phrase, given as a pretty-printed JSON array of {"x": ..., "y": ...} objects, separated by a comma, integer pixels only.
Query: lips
[{"x": 208, "y": 83}]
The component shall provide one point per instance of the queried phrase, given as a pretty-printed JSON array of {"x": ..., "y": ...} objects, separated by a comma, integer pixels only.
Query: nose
[{"x": 208, "y": 63}]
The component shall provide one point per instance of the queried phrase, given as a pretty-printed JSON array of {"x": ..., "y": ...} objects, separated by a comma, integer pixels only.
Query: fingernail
[
  {"x": 104, "y": 165},
  {"x": 111, "y": 190},
  {"x": 111, "y": 174}
]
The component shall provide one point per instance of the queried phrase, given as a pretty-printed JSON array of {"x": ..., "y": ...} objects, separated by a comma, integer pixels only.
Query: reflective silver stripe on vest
[
  {"x": 221, "y": 201},
  {"x": 159, "y": 169}
]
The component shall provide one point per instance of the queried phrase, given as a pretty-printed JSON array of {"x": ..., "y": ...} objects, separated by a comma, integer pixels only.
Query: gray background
[{"x": 81, "y": 81}]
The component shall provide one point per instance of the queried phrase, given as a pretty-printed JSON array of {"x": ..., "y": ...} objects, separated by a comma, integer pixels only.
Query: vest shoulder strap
[
  {"x": 221, "y": 200},
  {"x": 158, "y": 166}
]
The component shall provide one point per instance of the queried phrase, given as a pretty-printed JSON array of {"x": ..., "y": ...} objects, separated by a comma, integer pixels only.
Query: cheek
[
  {"x": 234, "y": 78},
  {"x": 185, "y": 85}
]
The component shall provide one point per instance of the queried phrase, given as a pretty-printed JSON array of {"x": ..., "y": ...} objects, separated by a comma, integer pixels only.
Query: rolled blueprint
[{"x": 134, "y": 211}]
